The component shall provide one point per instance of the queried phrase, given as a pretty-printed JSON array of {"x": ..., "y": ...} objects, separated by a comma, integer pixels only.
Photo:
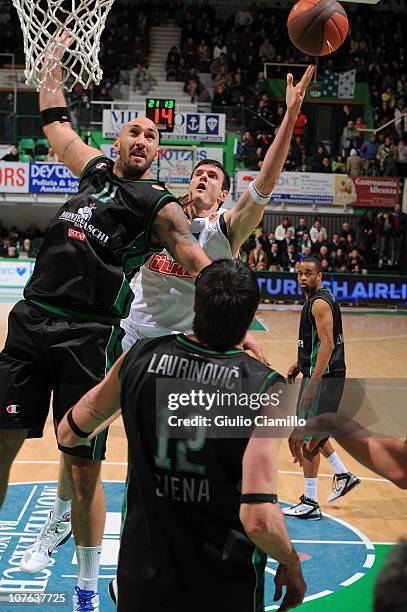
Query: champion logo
[
  {"x": 213, "y": 217},
  {"x": 159, "y": 187},
  {"x": 13, "y": 409}
]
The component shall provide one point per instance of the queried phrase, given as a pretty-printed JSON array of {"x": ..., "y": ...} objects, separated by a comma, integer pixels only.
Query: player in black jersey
[
  {"x": 183, "y": 544},
  {"x": 321, "y": 361},
  {"x": 65, "y": 334}
]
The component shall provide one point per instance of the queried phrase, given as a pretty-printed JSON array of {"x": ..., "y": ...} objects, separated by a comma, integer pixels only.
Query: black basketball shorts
[
  {"x": 327, "y": 398},
  {"x": 46, "y": 354}
]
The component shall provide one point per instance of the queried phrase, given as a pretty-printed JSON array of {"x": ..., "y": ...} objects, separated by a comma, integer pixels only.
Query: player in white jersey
[{"x": 164, "y": 291}]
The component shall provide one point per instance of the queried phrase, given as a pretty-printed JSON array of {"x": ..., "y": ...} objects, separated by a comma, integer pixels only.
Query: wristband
[
  {"x": 58, "y": 113},
  {"x": 259, "y": 198},
  {"x": 258, "y": 498},
  {"x": 78, "y": 432}
]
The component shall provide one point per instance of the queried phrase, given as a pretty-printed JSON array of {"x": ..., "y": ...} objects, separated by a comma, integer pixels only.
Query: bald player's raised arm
[
  {"x": 66, "y": 143},
  {"x": 171, "y": 229}
]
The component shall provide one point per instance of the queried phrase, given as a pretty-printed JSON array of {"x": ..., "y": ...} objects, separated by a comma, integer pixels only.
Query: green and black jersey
[
  {"x": 309, "y": 342},
  {"x": 183, "y": 546},
  {"x": 95, "y": 244}
]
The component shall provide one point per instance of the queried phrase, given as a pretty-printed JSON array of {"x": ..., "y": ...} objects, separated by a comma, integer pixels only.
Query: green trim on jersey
[
  {"x": 65, "y": 313},
  {"x": 315, "y": 349},
  {"x": 113, "y": 351},
  {"x": 191, "y": 344},
  {"x": 266, "y": 379},
  {"x": 259, "y": 560},
  {"x": 90, "y": 162}
]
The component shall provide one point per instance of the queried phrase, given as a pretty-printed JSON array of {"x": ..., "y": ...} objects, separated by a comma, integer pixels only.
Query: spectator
[
  {"x": 282, "y": 228},
  {"x": 335, "y": 243},
  {"x": 4, "y": 246},
  {"x": 346, "y": 230},
  {"x": 293, "y": 160},
  {"x": 369, "y": 151},
  {"x": 300, "y": 230},
  {"x": 387, "y": 156},
  {"x": 354, "y": 164},
  {"x": 305, "y": 243},
  {"x": 300, "y": 124},
  {"x": 12, "y": 156},
  {"x": 289, "y": 240},
  {"x": 189, "y": 53},
  {"x": 323, "y": 252},
  {"x": 350, "y": 243},
  {"x": 274, "y": 258},
  {"x": 317, "y": 230},
  {"x": 192, "y": 84},
  {"x": 26, "y": 250},
  {"x": 219, "y": 49},
  {"x": 385, "y": 232},
  {"x": 172, "y": 64},
  {"x": 204, "y": 56},
  {"x": 305, "y": 253},
  {"x": 267, "y": 50},
  {"x": 325, "y": 166},
  {"x": 258, "y": 258},
  {"x": 338, "y": 165},
  {"x": 243, "y": 18},
  {"x": 325, "y": 265},
  {"x": 318, "y": 157},
  {"x": 320, "y": 242},
  {"x": 367, "y": 224},
  {"x": 390, "y": 593},
  {"x": 246, "y": 150},
  {"x": 260, "y": 87},
  {"x": 339, "y": 261},
  {"x": 399, "y": 219},
  {"x": 350, "y": 138},
  {"x": 289, "y": 259},
  {"x": 355, "y": 261},
  {"x": 402, "y": 157}
]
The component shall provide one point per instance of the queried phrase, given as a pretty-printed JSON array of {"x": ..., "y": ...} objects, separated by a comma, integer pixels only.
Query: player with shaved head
[{"x": 65, "y": 334}]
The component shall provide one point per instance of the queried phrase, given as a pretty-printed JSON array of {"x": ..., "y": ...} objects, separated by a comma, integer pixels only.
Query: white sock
[
  {"x": 336, "y": 464},
  {"x": 88, "y": 567},
  {"x": 61, "y": 506},
  {"x": 311, "y": 488}
]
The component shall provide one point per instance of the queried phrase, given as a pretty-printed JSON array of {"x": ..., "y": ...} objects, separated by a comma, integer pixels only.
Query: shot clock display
[{"x": 162, "y": 112}]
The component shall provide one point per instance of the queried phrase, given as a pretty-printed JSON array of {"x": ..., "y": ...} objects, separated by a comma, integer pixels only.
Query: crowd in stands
[
  {"x": 381, "y": 241},
  {"x": 16, "y": 243}
]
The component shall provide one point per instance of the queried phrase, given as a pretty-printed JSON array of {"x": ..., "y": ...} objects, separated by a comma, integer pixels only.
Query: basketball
[{"x": 317, "y": 27}]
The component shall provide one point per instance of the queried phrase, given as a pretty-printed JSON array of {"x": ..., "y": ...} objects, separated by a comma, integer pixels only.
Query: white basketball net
[{"x": 43, "y": 21}]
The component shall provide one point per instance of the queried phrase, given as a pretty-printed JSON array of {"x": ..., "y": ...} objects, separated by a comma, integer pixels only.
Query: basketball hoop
[{"x": 45, "y": 23}]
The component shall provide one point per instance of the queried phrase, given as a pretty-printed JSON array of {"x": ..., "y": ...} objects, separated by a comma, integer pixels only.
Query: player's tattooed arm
[
  {"x": 171, "y": 229},
  {"x": 95, "y": 410}
]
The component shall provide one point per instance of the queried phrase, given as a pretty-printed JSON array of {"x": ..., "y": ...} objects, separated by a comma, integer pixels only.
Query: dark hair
[
  {"x": 226, "y": 299},
  {"x": 217, "y": 164},
  {"x": 390, "y": 593},
  {"x": 315, "y": 261}
]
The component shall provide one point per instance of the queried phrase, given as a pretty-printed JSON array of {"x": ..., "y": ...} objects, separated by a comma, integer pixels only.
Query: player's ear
[
  {"x": 223, "y": 196},
  {"x": 117, "y": 144},
  {"x": 157, "y": 155}
]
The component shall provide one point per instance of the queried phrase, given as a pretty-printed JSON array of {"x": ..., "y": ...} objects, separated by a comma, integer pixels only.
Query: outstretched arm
[
  {"x": 69, "y": 147},
  {"x": 171, "y": 229},
  {"x": 247, "y": 214}
]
